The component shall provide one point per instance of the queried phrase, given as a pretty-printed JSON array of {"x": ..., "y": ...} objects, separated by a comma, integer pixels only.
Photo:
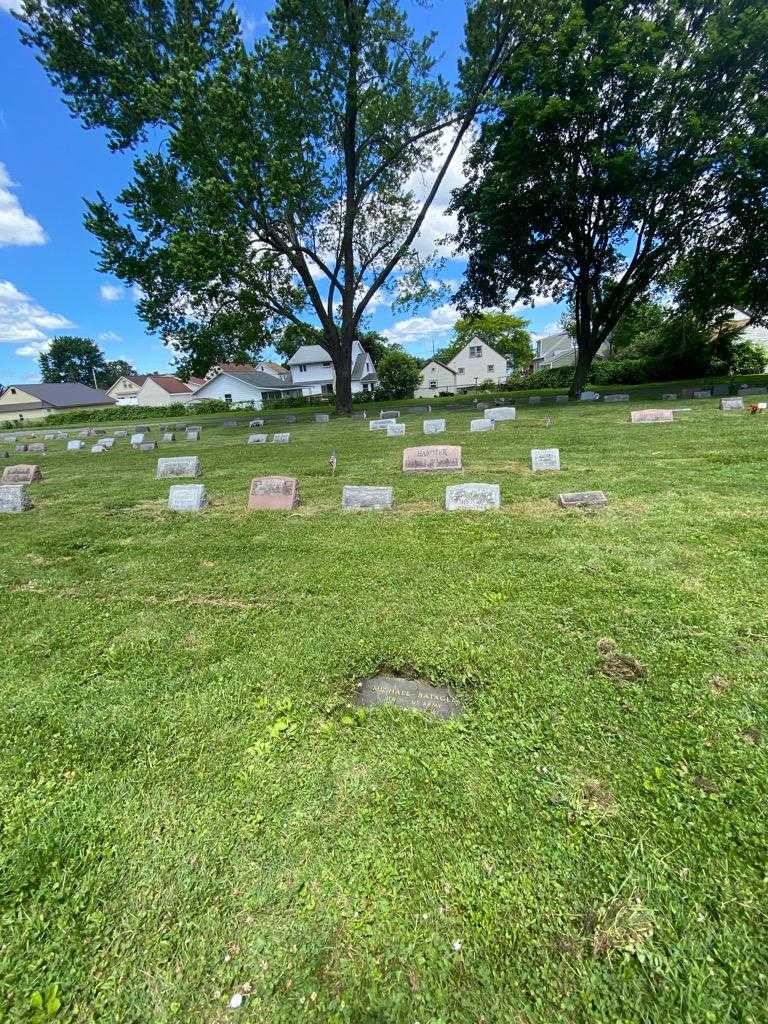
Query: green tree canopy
[
  {"x": 399, "y": 375},
  {"x": 114, "y": 369},
  {"x": 506, "y": 333},
  {"x": 72, "y": 360},
  {"x": 270, "y": 184},
  {"x": 624, "y": 137},
  {"x": 293, "y": 336}
]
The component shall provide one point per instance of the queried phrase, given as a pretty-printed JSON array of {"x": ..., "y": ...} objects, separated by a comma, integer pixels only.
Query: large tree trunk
[
  {"x": 583, "y": 365},
  {"x": 343, "y": 367}
]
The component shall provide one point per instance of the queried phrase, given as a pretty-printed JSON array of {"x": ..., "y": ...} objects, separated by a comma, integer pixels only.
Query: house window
[
  {"x": 491, "y": 367},
  {"x": 460, "y": 371},
  {"x": 475, "y": 351},
  {"x": 227, "y": 398},
  {"x": 302, "y": 367},
  {"x": 433, "y": 385},
  {"x": 326, "y": 364}
]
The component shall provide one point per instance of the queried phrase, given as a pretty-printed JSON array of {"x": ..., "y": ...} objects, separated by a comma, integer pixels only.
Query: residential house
[
  {"x": 162, "y": 389},
  {"x": 474, "y": 365},
  {"x": 752, "y": 332},
  {"x": 553, "y": 351},
  {"x": 23, "y": 402},
  {"x": 125, "y": 389},
  {"x": 247, "y": 386},
  {"x": 267, "y": 366},
  {"x": 312, "y": 371}
]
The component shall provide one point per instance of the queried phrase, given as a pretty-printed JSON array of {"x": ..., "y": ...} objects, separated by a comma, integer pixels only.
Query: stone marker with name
[
  {"x": 503, "y": 412},
  {"x": 616, "y": 397},
  {"x": 411, "y": 694},
  {"x": 138, "y": 438},
  {"x": 180, "y": 466},
  {"x": 732, "y": 404},
  {"x": 379, "y": 424},
  {"x": 74, "y": 446},
  {"x": 37, "y": 448},
  {"x": 21, "y": 474},
  {"x": 146, "y": 446},
  {"x": 434, "y": 426},
  {"x": 169, "y": 436},
  {"x": 480, "y": 426},
  {"x": 433, "y": 458},
  {"x": 583, "y": 499},
  {"x": 472, "y": 497},
  {"x": 258, "y": 422},
  {"x": 99, "y": 449},
  {"x": 187, "y": 498},
  {"x": 389, "y": 414},
  {"x": 367, "y": 497},
  {"x": 545, "y": 459},
  {"x": 652, "y": 416},
  {"x": 322, "y": 417},
  {"x": 258, "y": 438},
  {"x": 14, "y": 498},
  {"x": 273, "y": 492},
  {"x": 281, "y": 438},
  {"x": 193, "y": 435},
  {"x": 395, "y": 429}
]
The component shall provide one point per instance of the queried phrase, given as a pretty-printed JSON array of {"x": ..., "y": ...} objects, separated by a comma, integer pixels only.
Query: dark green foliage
[
  {"x": 72, "y": 360},
  {"x": 293, "y": 336},
  {"x": 506, "y": 333},
  {"x": 138, "y": 413},
  {"x": 399, "y": 375},
  {"x": 113, "y": 370}
]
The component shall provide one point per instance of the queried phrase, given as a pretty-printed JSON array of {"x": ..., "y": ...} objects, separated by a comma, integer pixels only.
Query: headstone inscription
[
  {"x": 353, "y": 497},
  {"x": 137, "y": 439},
  {"x": 281, "y": 438},
  {"x": 258, "y": 438},
  {"x": 322, "y": 417},
  {"x": 74, "y": 446},
  {"x": 434, "y": 458},
  {"x": 395, "y": 429},
  {"x": 481, "y": 426},
  {"x": 187, "y": 498},
  {"x": 732, "y": 404},
  {"x": 434, "y": 426},
  {"x": 545, "y": 459},
  {"x": 14, "y": 498},
  {"x": 583, "y": 499},
  {"x": 180, "y": 466},
  {"x": 472, "y": 497},
  {"x": 273, "y": 492},
  {"x": 502, "y": 412},
  {"x": 619, "y": 396},
  {"x": 411, "y": 694},
  {"x": 652, "y": 416},
  {"x": 193, "y": 435},
  {"x": 21, "y": 474},
  {"x": 169, "y": 436},
  {"x": 258, "y": 422},
  {"x": 378, "y": 424}
]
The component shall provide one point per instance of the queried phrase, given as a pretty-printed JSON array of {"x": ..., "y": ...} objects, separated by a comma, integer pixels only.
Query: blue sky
[{"x": 49, "y": 163}]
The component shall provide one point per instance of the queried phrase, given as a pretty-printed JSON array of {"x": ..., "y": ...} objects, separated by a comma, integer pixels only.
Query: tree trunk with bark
[{"x": 342, "y": 364}]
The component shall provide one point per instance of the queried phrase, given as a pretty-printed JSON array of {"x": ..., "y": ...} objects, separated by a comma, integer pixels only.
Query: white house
[
  {"x": 245, "y": 386},
  {"x": 162, "y": 389},
  {"x": 313, "y": 373},
  {"x": 126, "y": 388},
  {"x": 553, "y": 351},
  {"x": 474, "y": 365}
]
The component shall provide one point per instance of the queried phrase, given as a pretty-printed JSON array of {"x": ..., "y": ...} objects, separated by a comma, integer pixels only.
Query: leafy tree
[
  {"x": 114, "y": 369},
  {"x": 376, "y": 345},
  {"x": 506, "y": 333},
  {"x": 268, "y": 184},
  {"x": 624, "y": 136},
  {"x": 748, "y": 357},
  {"x": 296, "y": 335},
  {"x": 72, "y": 360},
  {"x": 399, "y": 375}
]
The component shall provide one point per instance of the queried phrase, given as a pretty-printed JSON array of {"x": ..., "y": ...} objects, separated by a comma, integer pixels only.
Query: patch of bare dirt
[
  {"x": 718, "y": 685},
  {"x": 620, "y": 925},
  {"x": 618, "y": 666},
  {"x": 751, "y": 736}
]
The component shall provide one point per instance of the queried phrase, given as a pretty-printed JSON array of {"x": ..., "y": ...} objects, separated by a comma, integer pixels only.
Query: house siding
[
  {"x": 222, "y": 384},
  {"x": 478, "y": 363},
  {"x": 152, "y": 395},
  {"x": 443, "y": 378}
]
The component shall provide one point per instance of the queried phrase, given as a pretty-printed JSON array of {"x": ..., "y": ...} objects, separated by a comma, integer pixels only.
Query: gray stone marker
[
  {"x": 21, "y": 474},
  {"x": 99, "y": 449},
  {"x": 652, "y": 416},
  {"x": 290, "y": 419},
  {"x": 106, "y": 442},
  {"x": 146, "y": 446},
  {"x": 169, "y": 436},
  {"x": 367, "y": 497},
  {"x": 144, "y": 428},
  {"x": 389, "y": 414},
  {"x": 744, "y": 389},
  {"x": 74, "y": 446},
  {"x": 179, "y": 466},
  {"x": 193, "y": 435},
  {"x": 192, "y": 426},
  {"x": 480, "y": 426},
  {"x": 281, "y": 438},
  {"x": 545, "y": 459},
  {"x": 322, "y": 417},
  {"x": 434, "y": 426},
  {"x": 561, "y": 399},
  {"x": 258, "y": 438},
  {"x": 187, "y": 498},
  {"x": 411, "y": 694},
  {"x": 534, "y": 400},
  {"x": 258, "y": 422},
  {"x": 472, "y": 497},
  {"x": 702, "y": 394},
  {"x": 378, "y": 424},
  {"x": 19, "y": 448},
  {"x": 138, "y": 438},
  {"x": 120, "y": 433},
  {"x": 732, "y": 404},
  {"x": 270, "y": 493},
  {"x": 504, "y": 412},
  {"x": 83, "y": 433},
  {"x": 433, "y": 458},
  {"x": 589, "y": 396},
  {"x": 395, "y": 429},
  {"x": 583, "y": 499},
  {"x": 14, "y": 498},
  {"x": 616, "y": 397}
]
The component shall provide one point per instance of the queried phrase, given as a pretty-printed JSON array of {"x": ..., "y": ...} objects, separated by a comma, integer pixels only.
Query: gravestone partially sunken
[
  {"x": 389, "y": 414},
  {"x": 14, "y": 498},
  {"x": 281, "y": 438},
  {"x": 74, "y": 446},
  {"x": 583, "y": 499},
  {"x": 652, "y": 416},
  {"x": 504, "y": 412},
  {"x": 434, "y": 426},
  {"x": 434, "y": 458},
  {"x": 280, "y": 493},
  {"x": 732, "y": 404},
  {"x": 379, "y": 424},
  {"x": 258, "y": 422},
  {"x": 187, "y": 498},
  {"x": 353, "y": 497},
  {"x": 480, "y": 426},
  {"x": 410, "y": 694},
  {"x": 395, "y": 429},
  {"x": 472, "y": 497},
  {"x": 545, "y": 459},
  {"x": 179, "y": 466},
  {"x": 193, "y": 435},
  {"x": 258, "y": 438},
  {"x": 617, "y": 397},
  {"x": 137, "y": 439},
  {"x": 169, "y": 436},
  {"x": 21, "y": 474},
  {"x": 322, "y": 417}
]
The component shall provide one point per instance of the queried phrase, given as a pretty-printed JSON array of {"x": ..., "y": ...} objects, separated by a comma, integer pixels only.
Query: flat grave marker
[
  {"x": 169, "y": 436},
  {"x": 562, "y": 399},
  {"x": 187, "y": 498},
  {"x": 229, "y": 423},
  {"x": 583, "y": 499},
  {"x": 732, "y": 404},
  {"x": 273, "y": 493},
  {"x": 389, "y": 414},
  {"x": 702, "y": 394},
  {"x": 258, "y": 438},
  {"x": 21, "y": 474},
  {"x": 258, "y": 422},
  {"x": 410, "y": 694},
  {"x": 322, "y": 417},
  {"x": 146, "y": 446},
  {"x": 20, "y": 448},
  {"x": 281, "y": 438},
  {"x": 472, "y": 497},
  {"x": 14, "y": 498},
  {"x": 379, "y": 424},
  {"x": 99, "y": 449},
  {"x": 355, "y": 497},
  {"x": 616, "y": 397},
  {"x": 395, "y": 429},
  {"x": 74, "y": 446},
  {"x": 503, "y": 412},
  {"x": 545, "y": 459},
  {"x": 481, "y": 426},
  {"x": 651, "y": 416},
  {"x": 138, "y": 438},
  {"x": 179, "y": 466},
  {"x": 434, "y": 426},
  {"x": 193, "y": 435},
  {"x": 534, "y": 400},
  {"x": 434, "y": 458},
  {"x": 589, "y": 396}
]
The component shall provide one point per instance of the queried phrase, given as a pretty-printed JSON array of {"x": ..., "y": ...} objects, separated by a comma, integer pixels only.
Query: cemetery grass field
[{"x": 191, "y": 807}]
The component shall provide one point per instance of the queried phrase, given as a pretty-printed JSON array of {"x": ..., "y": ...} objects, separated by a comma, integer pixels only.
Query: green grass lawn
[{"x": 191, "y": 807}]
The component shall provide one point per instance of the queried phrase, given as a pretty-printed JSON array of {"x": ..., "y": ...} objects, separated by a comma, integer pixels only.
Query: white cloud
[
  {"x": 109, "y": 336},
  {"x": 16, "y": 227},
  {"x": 21, "y": 319},
  {"x": 10, "y": 5},
  {"x": 437, "y": 223},
  {"x": 137, "y": 292},
  {"x": 110, "y": 292},
  {"x": 34, "y": 349},
  {"x": 415, "y": 328}
]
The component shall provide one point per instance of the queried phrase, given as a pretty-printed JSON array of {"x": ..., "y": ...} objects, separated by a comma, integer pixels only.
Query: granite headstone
[
  {"x": 187, "y": 498},
  {"x": 14, "y": 498},
  {"x": 179, "y": 466},
  {"x": 367, "y": 497},
  {"x": 410, "y": 694},
  {"x": 545, "y": 459},
  {"x": 21, "y": 474},
  {"x": 273, "y": 492},
  {"x": 583, "y": 499},
  {"x": 432, "y": 458}
]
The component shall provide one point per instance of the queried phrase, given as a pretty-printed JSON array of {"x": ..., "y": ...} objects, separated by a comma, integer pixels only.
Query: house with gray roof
[
  {"x": 238, "y": 387},
  {"x": 313, "y": 373},
  {"x": 22, "y": 402}
]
